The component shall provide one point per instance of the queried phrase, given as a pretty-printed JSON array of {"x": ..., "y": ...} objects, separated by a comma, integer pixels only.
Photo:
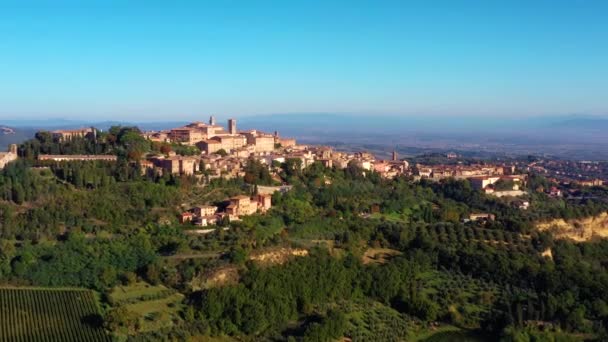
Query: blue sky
[{"x": 158, "y": 60}]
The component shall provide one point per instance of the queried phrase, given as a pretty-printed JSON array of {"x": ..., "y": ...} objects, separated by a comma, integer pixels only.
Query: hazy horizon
[
  {"x": 571, "y": 136},
  {"x": 33, "y": 121}
]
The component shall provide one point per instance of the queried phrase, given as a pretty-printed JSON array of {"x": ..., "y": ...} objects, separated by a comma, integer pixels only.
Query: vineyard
[
  {"x": 450, "y": 235},
  {"x": 49, "y": 315}
]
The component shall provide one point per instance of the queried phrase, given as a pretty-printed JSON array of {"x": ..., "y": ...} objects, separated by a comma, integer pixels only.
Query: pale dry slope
[{"x": 578, "y": 229}]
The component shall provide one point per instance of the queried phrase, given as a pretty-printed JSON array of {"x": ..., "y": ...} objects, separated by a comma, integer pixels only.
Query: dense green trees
[
  {"x": 257, "y": 173},
  {"x": 95, "y": 224},
  {"x": 80, "y": 262},
  {"x": 268, "y": 298},
  {"x": 120, "y": 140},
  {"x": 329, "y": 328}
]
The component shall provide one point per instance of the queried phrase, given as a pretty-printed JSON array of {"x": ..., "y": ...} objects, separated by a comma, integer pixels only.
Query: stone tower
[
  {"x": 232, "y": 126},
  {"x": 395, "y": 156},
  {"x": 13, "y": 148},
  {"x": 212, "y": 120}
]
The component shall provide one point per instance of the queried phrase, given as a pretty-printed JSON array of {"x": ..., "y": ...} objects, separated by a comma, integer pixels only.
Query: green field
[
  {"x": 447, "y": 333},
  {"x": 137, "y": 292},
  {"x": 28, "y": 314},
  {"x": 373, "y": 321},
  {"x": 156, "y": 306}
]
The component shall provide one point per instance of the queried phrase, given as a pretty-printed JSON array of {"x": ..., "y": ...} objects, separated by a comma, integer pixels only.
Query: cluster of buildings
[
  {"x": 241, "y": 146},
  {"x": 81, "y": 157},
  {"x": 590, "y": 182},
  {"x": 211, "y": 138},
  {"x": 487, "y": 183},
  {"x": 366, "y": 161},
  {"x": 9, "y": 156},
  {"x": 483, "y": 177},
  {"x": 172, "y": 164},
  {"x": 566, "y": 172},
  {"x": 225, "y": 152},
  {"x": 458, "y": 171},
  {"x": 237, "y": 207}
]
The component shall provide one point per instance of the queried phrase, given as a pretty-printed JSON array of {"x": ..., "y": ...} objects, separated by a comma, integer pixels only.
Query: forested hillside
[{"x": 388, "y": 259}]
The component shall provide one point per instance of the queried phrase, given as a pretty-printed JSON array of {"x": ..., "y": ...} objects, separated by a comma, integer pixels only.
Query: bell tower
[{"x": 232, "y": 126}]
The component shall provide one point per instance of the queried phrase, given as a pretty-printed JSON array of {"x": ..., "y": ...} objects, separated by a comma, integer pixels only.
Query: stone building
[
  {"x": 177, "y": 165},
  {"x": 232, "y": 126},
  {"x": 66, "y": 134},
  {"x": 285, "y": 142},
  {"x": 261, "y": 142},
  {"x": 161, "y": 136},
  {"x": 264, "y": 202},
  {"x": 227, "y": 143},
  {"x": 186, "y": 135},
  {"x": 9, "y": 156},
  {"x": 245, "y": 205},
  {"x": 241, "y": 205},
  {"x": 204, "y": 210}
]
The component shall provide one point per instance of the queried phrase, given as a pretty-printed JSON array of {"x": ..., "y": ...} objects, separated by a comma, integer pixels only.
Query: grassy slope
[{"x": 159, "y": 311}]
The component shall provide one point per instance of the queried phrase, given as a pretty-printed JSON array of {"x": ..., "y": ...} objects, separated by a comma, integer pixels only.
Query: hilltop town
[{"x": 208, "y": 151}]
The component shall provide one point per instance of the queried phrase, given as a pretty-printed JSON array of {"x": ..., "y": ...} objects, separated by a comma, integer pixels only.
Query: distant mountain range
[
  {"x": 331, "y": 121},
  {"x": 582, "y": 122}
]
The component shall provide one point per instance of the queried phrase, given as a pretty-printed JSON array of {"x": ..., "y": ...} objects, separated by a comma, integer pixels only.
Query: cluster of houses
[
  {"x": 578, "y": 173},
  {"x": 225, "y": 152},
  {"x": 270, "y": 149},
  {"x": 483, "y": 177},
  {"x": 241, "y": 146},
  {"x": 457, "y": 171},
  {"x": 211, "y": 138},
  {"x": 237, "y": 207}
]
